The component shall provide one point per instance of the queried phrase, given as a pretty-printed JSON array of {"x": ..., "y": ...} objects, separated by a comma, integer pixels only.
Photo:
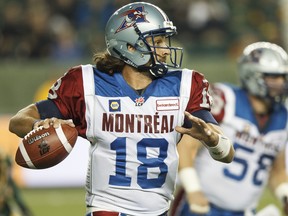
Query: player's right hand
[
  {"x": 53, "y": 121},
  {"x": 198, "y": 202}
]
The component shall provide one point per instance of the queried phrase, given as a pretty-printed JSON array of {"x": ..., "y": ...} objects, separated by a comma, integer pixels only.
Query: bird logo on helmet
[{"x": 131, "y": 16}]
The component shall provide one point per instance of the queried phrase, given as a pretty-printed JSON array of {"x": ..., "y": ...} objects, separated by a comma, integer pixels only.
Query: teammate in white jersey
[
  {"x": 131, "y": 109},
  {"x": 255, "y": 118}
]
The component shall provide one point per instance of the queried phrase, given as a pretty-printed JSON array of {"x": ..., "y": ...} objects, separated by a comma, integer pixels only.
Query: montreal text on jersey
[
  {"x": 137, "y": 123},
  {"x": 245, "y": 138}
]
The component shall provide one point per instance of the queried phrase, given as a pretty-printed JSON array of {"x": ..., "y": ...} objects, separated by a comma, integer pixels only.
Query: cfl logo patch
[
  {"x": 139, "y": 101},
  {"x": 114, "y": 105}
]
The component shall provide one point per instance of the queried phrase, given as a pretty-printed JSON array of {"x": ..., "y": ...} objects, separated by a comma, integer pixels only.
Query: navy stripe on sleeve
[
  {"x": 48, "y": 109},
  {"x": 205, "y": 115}
]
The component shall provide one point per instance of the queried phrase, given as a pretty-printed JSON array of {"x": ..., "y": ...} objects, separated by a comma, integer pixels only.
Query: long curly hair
[{"x": 107, "y": 63}]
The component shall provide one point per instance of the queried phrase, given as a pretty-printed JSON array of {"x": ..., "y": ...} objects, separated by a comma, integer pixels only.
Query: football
[{"x": 43, "y": 147}]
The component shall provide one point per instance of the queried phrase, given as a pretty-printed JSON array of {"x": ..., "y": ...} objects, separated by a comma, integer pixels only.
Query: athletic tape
[
  {"x": 199, "y": 209},
  {"x": 221, "y": 150},
  {"x": 189, "y": 179},
  {"x": 281, "y": 191}
]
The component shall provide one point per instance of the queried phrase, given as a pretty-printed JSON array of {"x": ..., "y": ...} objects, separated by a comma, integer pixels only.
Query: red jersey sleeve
[
  {"x": 68, "y": 95},
  {"x": 199, "y": 95},
  {"x": 218, "y": 107}
]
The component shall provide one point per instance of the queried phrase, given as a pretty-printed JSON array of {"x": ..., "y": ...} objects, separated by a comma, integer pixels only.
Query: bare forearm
[
  {"x": 278, "y": 172},
  {"x": 187, "y": 149},
  {"x": 23, "y": 121}
]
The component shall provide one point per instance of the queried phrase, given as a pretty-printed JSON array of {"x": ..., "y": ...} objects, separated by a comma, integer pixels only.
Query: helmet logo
[
  {"x": 256, "y": 55},
  {"x": 132, "y": 16}
]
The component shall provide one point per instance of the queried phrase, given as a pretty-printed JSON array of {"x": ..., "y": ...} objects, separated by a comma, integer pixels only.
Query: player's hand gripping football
[
  {"x": 200, "y": 130},
  {"x": 53, "y": 121}
]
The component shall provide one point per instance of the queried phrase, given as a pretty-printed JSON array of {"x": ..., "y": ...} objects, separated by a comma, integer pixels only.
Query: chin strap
[{"x": 156, "y": 69}]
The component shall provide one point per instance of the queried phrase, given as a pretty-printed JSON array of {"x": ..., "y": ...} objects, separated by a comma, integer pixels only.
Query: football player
[
  {"x": 254, "y": 117},
  {"x": 131, "y": 109}
]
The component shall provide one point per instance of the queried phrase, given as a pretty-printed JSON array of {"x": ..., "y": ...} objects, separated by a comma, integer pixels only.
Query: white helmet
[
  {"x": 131, "y": 25},
  {"x": 260, "y": 59}
]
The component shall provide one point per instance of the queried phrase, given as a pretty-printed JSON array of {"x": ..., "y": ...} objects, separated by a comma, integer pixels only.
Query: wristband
[
  {"x": 281, "y": 191},
  {"x": 199, "y": 209},
  {"x": 221, "y": 150},
  {"x": 189, "y": 179}
]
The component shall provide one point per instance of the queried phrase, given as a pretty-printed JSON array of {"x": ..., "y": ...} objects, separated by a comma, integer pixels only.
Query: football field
[
  {"x": 71, "y": 201},
  {"x": 55, "y": 201}
]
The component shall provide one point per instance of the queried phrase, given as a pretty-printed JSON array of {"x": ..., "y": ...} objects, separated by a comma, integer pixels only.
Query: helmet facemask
[
  {"x": 276, "y": 91},
  {"x": 156, "y": 66}
]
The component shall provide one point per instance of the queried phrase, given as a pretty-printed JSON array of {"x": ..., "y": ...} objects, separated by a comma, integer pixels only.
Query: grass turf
[
  {"x": 71, "y": 201},
  {"x": 55, "y": 201}
]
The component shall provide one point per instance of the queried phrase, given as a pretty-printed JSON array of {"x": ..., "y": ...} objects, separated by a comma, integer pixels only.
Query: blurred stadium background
[{"x": 41, "y": 39}]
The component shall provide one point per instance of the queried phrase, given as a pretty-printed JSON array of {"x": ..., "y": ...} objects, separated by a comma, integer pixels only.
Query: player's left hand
[
  {"x": 198, "y": 203},
  {"x": 200, "y": 130}
]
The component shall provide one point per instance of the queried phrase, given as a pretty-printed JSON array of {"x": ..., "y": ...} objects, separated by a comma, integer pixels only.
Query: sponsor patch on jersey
[
  {"x": 114, "y": 105},
  {"x": 168, "y": 104}
]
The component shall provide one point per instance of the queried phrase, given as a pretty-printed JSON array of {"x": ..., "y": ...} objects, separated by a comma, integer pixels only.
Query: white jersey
[
  {"x": 239, "y": 185},
  {"x": 133, "y": 157}
]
